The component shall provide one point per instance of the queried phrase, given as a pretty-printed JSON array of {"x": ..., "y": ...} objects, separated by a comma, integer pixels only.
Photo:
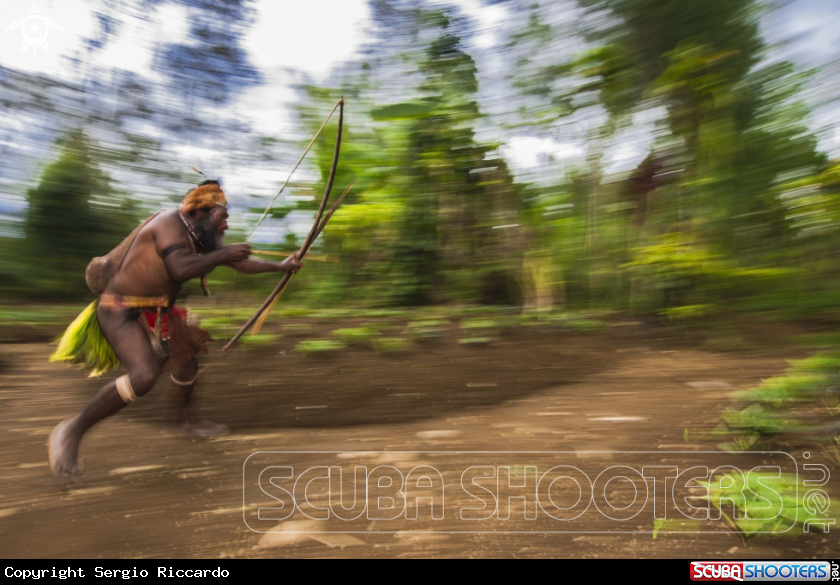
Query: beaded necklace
[
  {"x": 205, "y": 287},
  {"x": 190, "y": 229}
]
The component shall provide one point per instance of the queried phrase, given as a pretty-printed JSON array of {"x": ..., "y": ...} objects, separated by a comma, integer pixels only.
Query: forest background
[{"x": 729, "y": 204}]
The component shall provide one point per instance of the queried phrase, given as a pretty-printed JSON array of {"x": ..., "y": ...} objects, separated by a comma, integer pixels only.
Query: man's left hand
[{"x": 291, "y": 264}]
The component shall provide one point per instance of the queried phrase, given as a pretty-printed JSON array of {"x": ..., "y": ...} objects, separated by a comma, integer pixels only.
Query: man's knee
[{"x": 143, "y": 380}]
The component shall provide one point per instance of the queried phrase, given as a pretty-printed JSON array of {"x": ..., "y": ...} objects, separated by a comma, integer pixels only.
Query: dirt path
[{"x": 149, "y": 495}]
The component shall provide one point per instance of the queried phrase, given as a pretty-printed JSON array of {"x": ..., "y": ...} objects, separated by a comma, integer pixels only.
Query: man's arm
[
  {"x": 255, "y": 266},
  {"x": 181, "y": 263}
]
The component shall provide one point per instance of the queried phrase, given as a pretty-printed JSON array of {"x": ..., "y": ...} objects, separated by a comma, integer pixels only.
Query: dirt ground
[{"x": 149, "y": 495}]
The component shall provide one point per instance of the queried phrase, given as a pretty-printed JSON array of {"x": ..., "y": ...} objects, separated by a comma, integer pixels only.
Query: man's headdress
[{"x": 207, "y": 194}]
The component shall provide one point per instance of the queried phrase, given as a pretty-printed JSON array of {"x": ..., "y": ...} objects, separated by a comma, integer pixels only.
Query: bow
[{"x": 317, "y": 226}]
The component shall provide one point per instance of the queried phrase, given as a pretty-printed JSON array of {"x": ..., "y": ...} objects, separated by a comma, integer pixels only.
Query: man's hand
[
  {"x": 291, "y": 264},
  {"x": 236, "y": 253},
  {"x": 255, "y": 266}
]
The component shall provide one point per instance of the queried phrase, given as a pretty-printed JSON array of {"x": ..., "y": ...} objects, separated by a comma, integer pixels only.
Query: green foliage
[
  {"x": 52, "y": 315},
  {"x": 481, "y": 331},
  {"x": 296, "y": 329},
  {"x": 645, "y": 30},
  {"x": 761, "y": 503},
  {"x": 276, "y": 212},
  {"x": 480, "y": 324},
  {"x": 709, "y": 216},
  {"x": 218, "y": 327},
  {"x": 293, "y": 312},
  {"x": 259, "y": 339},
  {"x": 72, "y": 217},
  {"x": 732, "y": 207},
  {"x": 391, "y": 344},
  {"x": 687, "y": 312},
  {"x": 355, "y": 335},
  {"x": 403, "y": 111},
  {"x": 476, "y": 340},
  {"x": 426, "y": 330},
  {"x": 315, "y": 346},
  {"x": 674, "y": 274},
  {"x": 426, "y": 191},
  {"x": 682, "y": 525},
  {"x": 584, "y": 325},
  {"x": 803, "y": 403},
  {"x": 684, "y": 280}
]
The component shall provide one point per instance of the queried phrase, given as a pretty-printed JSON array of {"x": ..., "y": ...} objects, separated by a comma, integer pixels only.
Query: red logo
[{"x": 714, "y": 571}]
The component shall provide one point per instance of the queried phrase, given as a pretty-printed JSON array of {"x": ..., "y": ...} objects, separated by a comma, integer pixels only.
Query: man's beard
[{"x": 209, "y": 235}]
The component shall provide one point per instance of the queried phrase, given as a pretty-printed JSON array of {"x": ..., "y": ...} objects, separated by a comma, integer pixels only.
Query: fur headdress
[{"x": 207, "y": 194}]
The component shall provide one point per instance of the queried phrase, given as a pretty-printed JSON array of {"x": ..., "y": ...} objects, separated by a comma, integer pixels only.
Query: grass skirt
[{"x": 84, "y": 343}]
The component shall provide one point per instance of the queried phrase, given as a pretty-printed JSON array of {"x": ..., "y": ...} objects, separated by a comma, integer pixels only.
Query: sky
[{"x": 285, "y": 43}]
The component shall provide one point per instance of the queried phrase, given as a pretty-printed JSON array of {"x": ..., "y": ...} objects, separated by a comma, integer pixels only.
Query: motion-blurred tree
[
  {"x": 73, "y": 216},
  {"x": 736, "y": 128},
  {"x": 419, "y": 227},
  {"x": 741, "y": 123},
  {"x": 647, "y": 30}
]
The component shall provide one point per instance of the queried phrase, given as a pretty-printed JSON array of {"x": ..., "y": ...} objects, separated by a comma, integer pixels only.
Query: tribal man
[{"x": 135, "y": 322}]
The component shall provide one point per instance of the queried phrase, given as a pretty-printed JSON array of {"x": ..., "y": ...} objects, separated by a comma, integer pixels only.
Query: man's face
[
  {"x": 211, "y": 227},
  {"x": 220, "y": 216}
]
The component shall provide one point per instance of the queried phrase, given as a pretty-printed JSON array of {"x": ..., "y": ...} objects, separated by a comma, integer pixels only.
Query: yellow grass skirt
[{"x": 84, "y": 343}]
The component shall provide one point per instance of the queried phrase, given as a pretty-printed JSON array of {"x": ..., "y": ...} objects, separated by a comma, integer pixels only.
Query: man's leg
[
  {"x": 183, "y": 420},
  {"x": 131, "y": 344},
  {"x": 183, "y": 384}
]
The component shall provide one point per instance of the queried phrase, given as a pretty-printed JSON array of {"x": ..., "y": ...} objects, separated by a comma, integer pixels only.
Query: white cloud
[
  {"x": 173, "y": 24},
  {"x": 311, "y": 36},
  {"x": 128, "y": 50},
  {"x": 629, "y": 147},
  {"x": 489, "y": 20},
  {"x": 256, "y": 181},
  {"x": 197, "y": 156},
  {"x": 143, "y": 128},
  {"x": 132, "y": 47},
  {"x": 625, "y": 156},
  {"x": 529, "y": 152},
  {"x": 267, "y": 107},
  {"x": 806, "y": 29}
]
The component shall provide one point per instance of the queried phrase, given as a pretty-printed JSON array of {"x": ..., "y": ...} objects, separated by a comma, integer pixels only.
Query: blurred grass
[
  {"x": 473, "y": 324},
  {"x": 355, "y": 335},
  {"x": 260, "y": 339},
  {"x": 318, "y": 346},
  {"x": 52, "y": 315},
  {"x": 391, "y": 344},
  {"x": 828, "y": 338}
]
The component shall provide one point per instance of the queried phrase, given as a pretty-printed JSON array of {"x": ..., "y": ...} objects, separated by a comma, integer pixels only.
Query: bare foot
[{"x": 63, "y": 452}]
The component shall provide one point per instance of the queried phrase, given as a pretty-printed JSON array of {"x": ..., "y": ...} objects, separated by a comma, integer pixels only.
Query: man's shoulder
[
  {"x": 164, "y": 226},
  {"x": 167, "y": 230},
  {"x": 165, "y": 220}
]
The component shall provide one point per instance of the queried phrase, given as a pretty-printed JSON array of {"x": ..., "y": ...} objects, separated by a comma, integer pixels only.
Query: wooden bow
[{"x": 317, "y": 226}]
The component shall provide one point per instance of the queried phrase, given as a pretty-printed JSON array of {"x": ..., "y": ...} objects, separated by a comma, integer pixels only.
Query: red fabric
[{"x": 151, "y": 319}]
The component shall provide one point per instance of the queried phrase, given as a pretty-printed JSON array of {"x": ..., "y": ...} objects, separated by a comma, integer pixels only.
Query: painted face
[
  {"x": 220, "y": 216},
  {"x": 211, "y": 228}
]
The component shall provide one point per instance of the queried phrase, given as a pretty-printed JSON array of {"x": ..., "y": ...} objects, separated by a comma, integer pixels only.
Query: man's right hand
[{"x": 236, "y": 253}]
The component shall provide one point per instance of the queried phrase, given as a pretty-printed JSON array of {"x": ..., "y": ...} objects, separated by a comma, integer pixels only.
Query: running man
[{"x": 135, "y": 321}]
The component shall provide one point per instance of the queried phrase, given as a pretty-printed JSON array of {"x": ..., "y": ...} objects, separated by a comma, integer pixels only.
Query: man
[{"x": 137, "y": 317}]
